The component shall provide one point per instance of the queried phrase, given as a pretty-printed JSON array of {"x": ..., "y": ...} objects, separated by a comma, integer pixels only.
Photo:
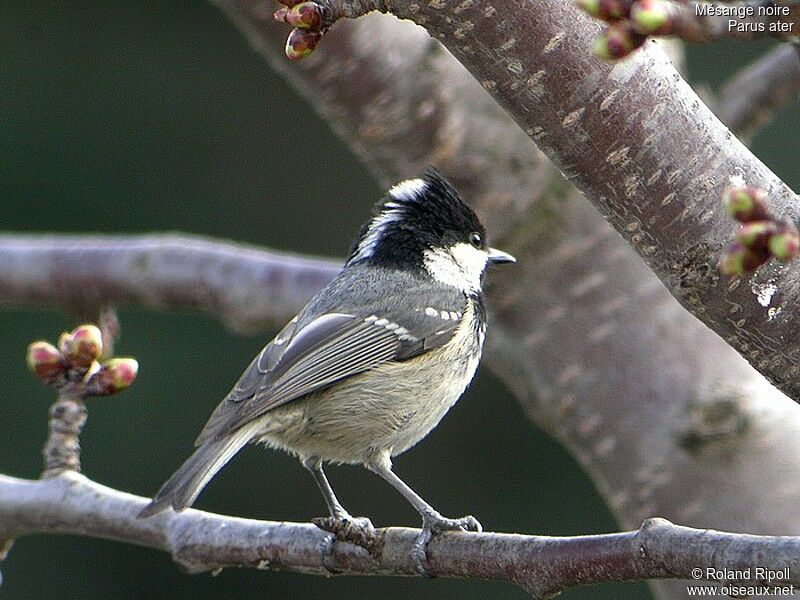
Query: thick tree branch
[
  {"x": 749, "y": 100},
  {"x": 244, "y": 287},
  {"x": 199, "y": 541}
]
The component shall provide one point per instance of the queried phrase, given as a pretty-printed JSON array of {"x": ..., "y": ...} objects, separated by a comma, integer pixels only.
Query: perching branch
[
  {"x": 244, "y": 287},
  {"x": 749, "y": 100},
  {"x": 72, "y": 504}
]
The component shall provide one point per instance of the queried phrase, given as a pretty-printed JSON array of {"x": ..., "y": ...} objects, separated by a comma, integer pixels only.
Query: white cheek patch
[
  {"x": 410, "y": 189},
  {"x": 460, "y": 266}
]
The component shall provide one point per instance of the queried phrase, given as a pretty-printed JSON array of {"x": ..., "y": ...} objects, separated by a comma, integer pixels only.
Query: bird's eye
[{"x": 476, "y": 239}]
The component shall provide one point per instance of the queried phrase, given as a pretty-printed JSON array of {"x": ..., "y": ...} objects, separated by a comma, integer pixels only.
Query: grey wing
[{"x": 301, "y": 360}]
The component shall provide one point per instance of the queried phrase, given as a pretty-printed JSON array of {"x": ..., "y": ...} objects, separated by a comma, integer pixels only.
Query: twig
[
  {"x": 67, "y": 418},
  {"x": 75, "y": 371},
  {"x": 72, "y": 504},
  {"x": 244, "y": 287},
  {"x": 750, "y": 99}
]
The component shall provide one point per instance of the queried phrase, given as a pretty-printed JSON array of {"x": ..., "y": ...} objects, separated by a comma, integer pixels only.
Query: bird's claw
[
  {"x": 355, "y": 530},
  {"x": 433, "y": 524},
  {"x": 326, "y": 554}
]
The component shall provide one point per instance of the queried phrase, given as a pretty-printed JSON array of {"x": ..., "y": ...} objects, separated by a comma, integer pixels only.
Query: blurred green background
[{"x": 150, "y": 116}]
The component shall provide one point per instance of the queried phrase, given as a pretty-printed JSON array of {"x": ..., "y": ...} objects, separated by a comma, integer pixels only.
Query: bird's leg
[
  {"x": 314, "y": 466},
  {"x": 432, "y": 521},
  {"x": 343, "y": 526}
]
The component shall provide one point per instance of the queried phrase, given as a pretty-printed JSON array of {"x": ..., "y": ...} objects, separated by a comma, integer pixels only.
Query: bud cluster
[
  {"x": 308, "y": 20},
  {"x": 78, "y": 360},
  {"x": 630, "y": 22},
  {"x": 761, "y": 236}
]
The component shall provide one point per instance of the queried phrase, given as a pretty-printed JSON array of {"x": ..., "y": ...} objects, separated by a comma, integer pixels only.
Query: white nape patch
[
  {"x": 378, "y": 225},
  {"x": 405, "y": 191},
  {"x": 410, "y": 189},
  {"x": 460, "y": 266}
]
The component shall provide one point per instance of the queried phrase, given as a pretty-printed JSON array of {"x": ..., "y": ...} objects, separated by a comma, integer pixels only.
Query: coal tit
[{"x": 372, "y": 363}]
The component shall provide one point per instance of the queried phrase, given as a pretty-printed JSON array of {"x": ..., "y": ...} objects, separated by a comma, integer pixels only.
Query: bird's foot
[
  {"x": 344, "y": 528},
  {"x": 355, "y": 530},
  {"x": 432, "y": 524}
]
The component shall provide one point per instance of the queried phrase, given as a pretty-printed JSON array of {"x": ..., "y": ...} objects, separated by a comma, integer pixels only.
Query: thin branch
[
  {"x": 72, "y": 504},
  {"x": 67, "y": 418},
  {"x": 750, "y": 99},
  {"x": 244, "y": 287}
]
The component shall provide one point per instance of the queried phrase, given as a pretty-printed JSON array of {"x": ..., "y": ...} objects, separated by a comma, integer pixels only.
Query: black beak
[{"x": 498, "y": 257}]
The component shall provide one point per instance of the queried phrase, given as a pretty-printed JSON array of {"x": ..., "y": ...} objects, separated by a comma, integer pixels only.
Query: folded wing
[{"x": 329, "y": 348}]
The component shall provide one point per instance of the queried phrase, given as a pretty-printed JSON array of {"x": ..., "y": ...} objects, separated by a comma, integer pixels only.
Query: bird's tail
[{"x": 186, "y": 483}]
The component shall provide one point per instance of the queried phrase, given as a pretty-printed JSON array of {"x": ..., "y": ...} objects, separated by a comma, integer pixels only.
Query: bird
[{"x": 372, "y": 363}]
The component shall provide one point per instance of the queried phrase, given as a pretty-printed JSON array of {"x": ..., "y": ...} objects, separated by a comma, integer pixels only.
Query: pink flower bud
[
  {"x": 756, "y": 234},
  {"x": 301, "y": 43},
  {"x": 785, "y": 244},
  {"x": 738, "y": 259},
  {"x": 115, "y": 375},
  {"x": 82, "y": 346},
  {"x": 45, "y": 361},
  {"x": 618, "y": 40},
  {"x": 613, "y": 10},
  {"x": 652, "y": 17},
  {"x": 746, "y": 204},
  {"x": 305, "y": 15},
  {"x": 607, "y": 10}
]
